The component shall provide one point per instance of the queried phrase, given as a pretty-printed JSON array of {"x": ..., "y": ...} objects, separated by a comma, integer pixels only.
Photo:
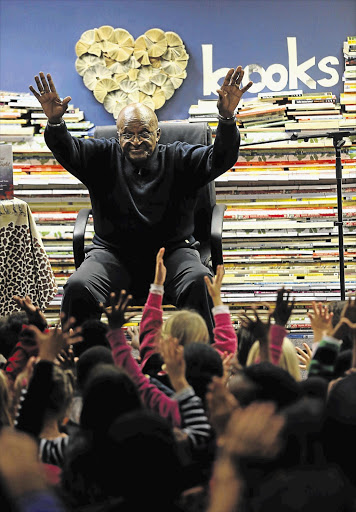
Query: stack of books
[
  {"x": 287, "y": 111},
  {"x": 314, "y": 111},
  {"x": 307, "y": 111},
  {"x": 22, "y": 117},
  {"x": 348, "y": 97},
  {"x": 261, "y": 115},
  {"x": 204, "y": 110},
  {"x": 279, "y": 230},
  {"x": 15, "y": 111}
]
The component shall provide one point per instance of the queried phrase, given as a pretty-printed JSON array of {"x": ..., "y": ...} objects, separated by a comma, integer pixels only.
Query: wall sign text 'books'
[{"x": 287, "y": 78}]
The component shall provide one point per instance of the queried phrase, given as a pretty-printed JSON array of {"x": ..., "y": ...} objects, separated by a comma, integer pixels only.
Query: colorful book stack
[
  {"x": 348, "y": 96},
  {"x": 261, "y": 115},
  {"x": 295, "y": 111},
  {"x": 290, "y": 111},
  {"x": 204, "y": 110},
  {"x": 279, "y": 229},
  {"x": 21, "y": 117}
]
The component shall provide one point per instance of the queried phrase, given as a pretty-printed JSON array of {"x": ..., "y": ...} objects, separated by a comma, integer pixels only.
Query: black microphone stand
[{"x": 338, "y": 142}]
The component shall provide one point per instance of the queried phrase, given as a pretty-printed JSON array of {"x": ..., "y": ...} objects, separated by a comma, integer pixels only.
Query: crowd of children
[{"x": 176, "y": 421}]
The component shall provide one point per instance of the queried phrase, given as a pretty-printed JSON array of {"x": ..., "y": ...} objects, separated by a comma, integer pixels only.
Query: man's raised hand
[
  {"x": 52, "y": 105},
  {"x": 230, "y": 92}
]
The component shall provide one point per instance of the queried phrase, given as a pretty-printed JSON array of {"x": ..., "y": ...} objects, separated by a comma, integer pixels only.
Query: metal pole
[{"x": 338, "y": 143}]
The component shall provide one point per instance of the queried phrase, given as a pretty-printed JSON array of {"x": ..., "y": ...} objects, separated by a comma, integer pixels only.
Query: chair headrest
[{"x": 171, "y": 131}]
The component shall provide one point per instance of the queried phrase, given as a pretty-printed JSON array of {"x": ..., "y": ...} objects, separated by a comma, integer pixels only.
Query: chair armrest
[
  {"x": 216, "y": 235},
  {"x": 79, "y": 235}
]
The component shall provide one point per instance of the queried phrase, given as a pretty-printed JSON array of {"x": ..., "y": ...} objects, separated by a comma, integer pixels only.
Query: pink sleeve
[
  {"x": 225, "y": 339},
  {"x": 277, "y": 334},
  {"x": 151, "y": 323},
  {"x": 151, "y": 396}
]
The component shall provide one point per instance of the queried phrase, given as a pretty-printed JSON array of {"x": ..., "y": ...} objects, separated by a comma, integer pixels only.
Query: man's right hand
[{"x": 52, "y": 105}]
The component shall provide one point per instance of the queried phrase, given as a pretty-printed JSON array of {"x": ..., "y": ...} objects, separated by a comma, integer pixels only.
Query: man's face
[{"x": 138, "y": 136}]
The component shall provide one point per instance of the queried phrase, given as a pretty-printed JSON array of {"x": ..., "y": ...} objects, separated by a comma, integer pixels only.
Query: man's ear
[{"x": 158, "y": 134}]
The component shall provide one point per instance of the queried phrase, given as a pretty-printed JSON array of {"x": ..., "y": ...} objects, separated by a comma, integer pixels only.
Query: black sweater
[{"x": 152, "y": 209}]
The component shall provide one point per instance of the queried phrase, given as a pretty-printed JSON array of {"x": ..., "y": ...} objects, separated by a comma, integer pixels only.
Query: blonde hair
[
  {"x": 288, "y": 360},
  {"x": 186, "y": 325}
]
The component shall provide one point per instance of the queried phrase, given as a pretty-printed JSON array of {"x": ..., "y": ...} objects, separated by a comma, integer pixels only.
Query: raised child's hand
[
  {"x": 51, "y": 344},
  {"x": 161, "y": 271},
  {"x": 115, "y": 313},
  {"x": 283, "y": 308},
  {"x": 214, "y": 285},
  {"x": 320, "y": 321},
  {"x": 34, "y": 314}
]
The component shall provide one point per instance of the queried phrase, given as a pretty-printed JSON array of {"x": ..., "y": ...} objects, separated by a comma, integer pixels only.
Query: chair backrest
[{"x": 192, "y": 133}]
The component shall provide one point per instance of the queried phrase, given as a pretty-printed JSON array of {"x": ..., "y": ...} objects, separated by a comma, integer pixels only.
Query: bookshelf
[{"x": 279, "y": 230}]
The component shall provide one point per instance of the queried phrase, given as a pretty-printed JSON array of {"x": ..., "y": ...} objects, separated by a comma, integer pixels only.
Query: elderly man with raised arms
[{"x": 142, "y": 195}]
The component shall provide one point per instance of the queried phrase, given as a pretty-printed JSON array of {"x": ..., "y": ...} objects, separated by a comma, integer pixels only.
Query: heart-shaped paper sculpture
[{"x": 120, "y": 70}]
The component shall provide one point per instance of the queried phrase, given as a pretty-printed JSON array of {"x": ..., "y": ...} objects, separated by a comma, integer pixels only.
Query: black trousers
[{"x": 102, "y": 273}]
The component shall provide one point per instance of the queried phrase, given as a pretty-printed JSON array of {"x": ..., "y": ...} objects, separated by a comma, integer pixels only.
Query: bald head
[
  {"x": 137, "y": 127},
  {"x": 137, "y": 111}
]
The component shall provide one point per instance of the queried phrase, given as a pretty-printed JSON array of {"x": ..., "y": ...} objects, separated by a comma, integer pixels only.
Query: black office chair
[{"x": 208, "y": 215}]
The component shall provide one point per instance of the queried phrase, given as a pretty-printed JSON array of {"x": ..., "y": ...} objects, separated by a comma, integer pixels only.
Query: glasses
[{"x": 140, "y": 136}]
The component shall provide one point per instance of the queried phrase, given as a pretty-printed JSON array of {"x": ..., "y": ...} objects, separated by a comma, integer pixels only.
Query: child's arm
[
  {"x": 193, "y": 416},
  {"x": 225, "y": 339},
  {"x": 151, "y": 396},
  {"x": 152, "y": 315},
  {"x": 281, "y": 314}
]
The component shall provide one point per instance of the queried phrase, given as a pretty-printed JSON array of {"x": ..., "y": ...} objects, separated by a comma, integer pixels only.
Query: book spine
[{"x": 313, "y": 100}]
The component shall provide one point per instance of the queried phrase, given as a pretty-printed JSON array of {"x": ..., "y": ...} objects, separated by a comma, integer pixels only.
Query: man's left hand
[{"x": 230, "y": 92}]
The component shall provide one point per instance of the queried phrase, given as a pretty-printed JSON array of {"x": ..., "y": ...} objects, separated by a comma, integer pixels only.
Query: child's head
[
  {"x": 61, "y": 393},
  {"x": 288, "y": 361},
  {"x": 264, "y": 382},
  {"x": 337, "y": 308},
  {"x": 90, "y": 358},
  {"x": 187, "y": 326},
  {"x": 10, "y": 329},
  {"x": 203, "y": 362},
  {"x": 108, "y": 393},
  {"x": 94, "y": 333}
]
